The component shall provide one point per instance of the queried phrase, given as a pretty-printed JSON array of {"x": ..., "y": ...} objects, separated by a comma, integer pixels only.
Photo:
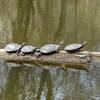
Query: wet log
[{"x": 61, "y": 59}]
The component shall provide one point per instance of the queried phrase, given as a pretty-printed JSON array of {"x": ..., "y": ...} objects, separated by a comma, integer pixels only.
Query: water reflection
[
  {"x": 45, "y": 90},
  {"x": 36, "y": 83}
]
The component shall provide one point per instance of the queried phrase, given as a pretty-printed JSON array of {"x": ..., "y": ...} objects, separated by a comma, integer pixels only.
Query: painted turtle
[
  {"x": 49, "y": 49},
  {"x": 13, "y": 48},
  {"x": 74, "y": 47},
  {"x": 28, "y": 49}
]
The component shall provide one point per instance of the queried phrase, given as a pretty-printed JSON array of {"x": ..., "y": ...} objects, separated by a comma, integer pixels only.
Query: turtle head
[
  {"x": 37, "y": 50},
  {"x": 19, "y": 50},
  {"x": 84, "y": 43},
  {"x": 61, "y": 43},
  {"x": 23, "y": 44}
]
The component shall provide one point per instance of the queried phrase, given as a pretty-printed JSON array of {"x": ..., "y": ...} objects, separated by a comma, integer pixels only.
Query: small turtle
[
  {"x": 28, "y": 49},
  {"x": 74, "y": 47},
  {"x": 49, "y": 49},
  {"x": 13, "y": 47}
]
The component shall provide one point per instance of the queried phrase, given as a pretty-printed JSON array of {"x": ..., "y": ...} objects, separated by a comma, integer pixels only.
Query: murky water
[{"x": 49, "y": 21}]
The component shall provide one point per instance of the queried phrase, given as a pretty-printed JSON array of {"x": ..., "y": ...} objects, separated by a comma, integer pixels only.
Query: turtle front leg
[
  {"x": 18, "y": 52},
  {"x": 38, "y": 54},
  {"x": 21, "y": 54}
]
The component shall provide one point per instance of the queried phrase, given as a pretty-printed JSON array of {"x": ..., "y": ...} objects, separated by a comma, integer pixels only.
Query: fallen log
[{"x": 62, "y": 59}]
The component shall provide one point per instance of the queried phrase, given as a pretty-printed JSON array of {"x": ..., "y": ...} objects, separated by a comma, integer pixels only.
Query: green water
[{"x": 38, "y": 22}]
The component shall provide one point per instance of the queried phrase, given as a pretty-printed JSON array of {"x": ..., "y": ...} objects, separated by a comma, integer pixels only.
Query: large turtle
[
  {"x": 74, "y": 47},
  {"x": 28, "y": 49},
  {"x": 13, "y": 47},
  {"x": 49, "y": 49}
]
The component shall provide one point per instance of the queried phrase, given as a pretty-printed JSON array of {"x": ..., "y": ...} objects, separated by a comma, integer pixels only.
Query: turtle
[
  {"x": 13, "y": 48},
  {"x": 49, "y": 49},
  {"x": 28, "y": 49},
  {"x": 74, "y": 47}
]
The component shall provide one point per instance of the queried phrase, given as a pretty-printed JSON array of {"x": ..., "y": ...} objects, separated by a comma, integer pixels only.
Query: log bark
[{"x": 61, "y": 59}]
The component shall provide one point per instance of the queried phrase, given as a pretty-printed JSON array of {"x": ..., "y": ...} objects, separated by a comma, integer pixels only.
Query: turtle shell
[
  {"x": 28, "y": 49},
  {"x": 49, "y": 48},
  {"x": 73, "y": 47},
  {"x": 12, "y": 47}
]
